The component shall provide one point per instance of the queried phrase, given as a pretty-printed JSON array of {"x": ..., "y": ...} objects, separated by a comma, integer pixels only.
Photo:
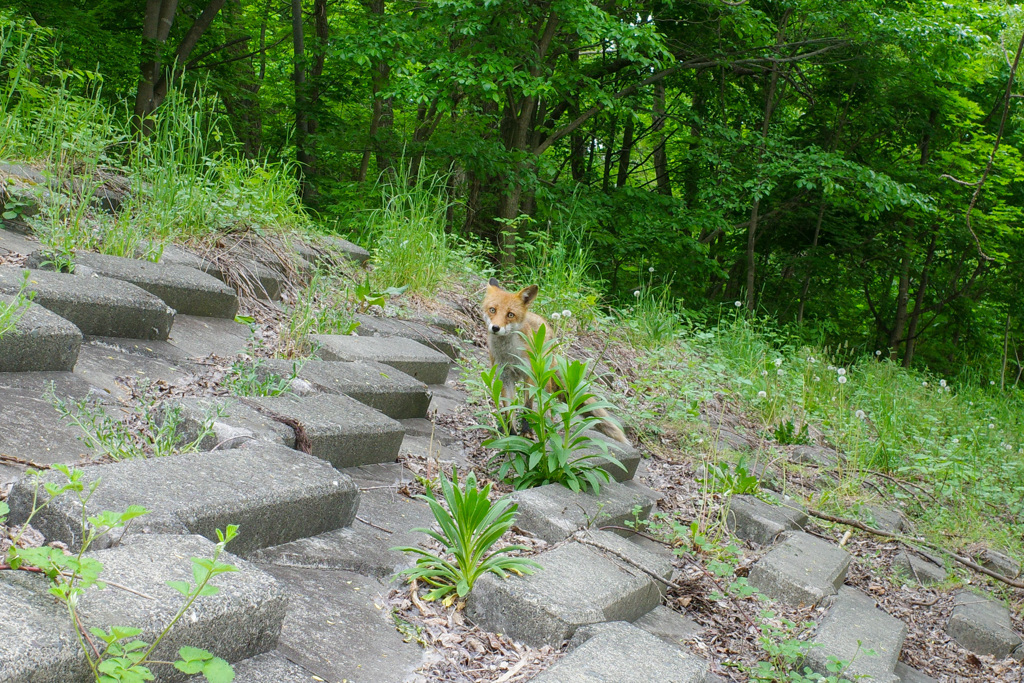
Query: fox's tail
[{"x": 607, "y": 425}]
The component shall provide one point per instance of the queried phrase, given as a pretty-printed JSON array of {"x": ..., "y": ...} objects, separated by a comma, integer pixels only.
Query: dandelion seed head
[
  {"x": 762, "y": 394},
  {"x": 778, "y": 362},
  {"x": 842, "y": 379},
  {"x": 651, "y": 269},
  {"x": 861, "y": 414},
  {"x": 737, "y": 304},
  {"x": 841, "y": 371},
  {"x": 636, "y": 293},
  {"x": 878, "y": 353},
  {"x": 556, "y": 316},
  {"x": 567, "y": 313}
]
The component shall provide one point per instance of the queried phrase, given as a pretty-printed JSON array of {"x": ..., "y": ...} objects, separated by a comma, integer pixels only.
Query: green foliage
[
  {"x": 470, "y": 526},
  {"x": 12, "y": 311},
  {"x": 325, "y": 306},
  {"x": 788, "y": 433},
  {"x": 558, "y": 397},
  {"x": 366, "y": 296},
  {"x": 246, "y": 379},
  {"x": 152, "y": 433},
  {"x": 122, "y": 658},
  {"x": 731, "y": 479}
]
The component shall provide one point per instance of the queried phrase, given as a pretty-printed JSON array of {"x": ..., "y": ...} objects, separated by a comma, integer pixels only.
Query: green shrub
[
  {"x": 558, "y": 418},
  {"x": 470, "y": 526}
]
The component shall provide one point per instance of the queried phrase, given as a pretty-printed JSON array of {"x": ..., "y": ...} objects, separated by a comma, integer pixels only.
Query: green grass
[{"x": 11, "y": 311}]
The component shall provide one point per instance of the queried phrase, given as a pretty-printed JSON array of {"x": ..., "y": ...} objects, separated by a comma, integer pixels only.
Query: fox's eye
[
  {"x": 511, "y": 314},
  {"x": 493, "y": 310}
]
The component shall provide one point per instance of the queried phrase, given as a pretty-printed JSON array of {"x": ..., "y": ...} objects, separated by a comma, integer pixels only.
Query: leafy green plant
[
  {"x": 246, "y": 379},
  {"x": 730, "y": 479},
  {"x": 323, "y": 307},
  {"x": 470, "y": 526},
  {"x": 123, "y": 658},
  {"x": 366, "y": 296},
  {"x": 12, "y": 311},
  {"x": 557, "y": 410},
  {"x": 788, "y": 434},
  {"x": 154, "y": 434}
]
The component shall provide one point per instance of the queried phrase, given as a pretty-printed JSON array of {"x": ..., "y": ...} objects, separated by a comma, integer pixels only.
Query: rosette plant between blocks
[{"x": 470, "y": 526}]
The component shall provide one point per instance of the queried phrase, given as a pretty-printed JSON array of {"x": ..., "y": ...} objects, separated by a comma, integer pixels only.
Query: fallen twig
[{"x": 22, "y": 461}]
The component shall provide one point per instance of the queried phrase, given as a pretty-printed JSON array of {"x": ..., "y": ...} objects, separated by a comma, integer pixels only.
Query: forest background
[{"x": 849, "y": 169}]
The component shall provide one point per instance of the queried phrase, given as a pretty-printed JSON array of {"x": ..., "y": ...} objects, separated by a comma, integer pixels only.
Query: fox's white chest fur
[{"x": 507, "y": 350}]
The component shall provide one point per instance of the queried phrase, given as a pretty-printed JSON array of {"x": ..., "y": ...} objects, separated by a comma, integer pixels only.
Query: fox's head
[{"x": 504, "y": 312}]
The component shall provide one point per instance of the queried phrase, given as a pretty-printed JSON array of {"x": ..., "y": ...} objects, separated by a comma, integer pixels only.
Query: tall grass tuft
[{"x": 411, "y": 246}]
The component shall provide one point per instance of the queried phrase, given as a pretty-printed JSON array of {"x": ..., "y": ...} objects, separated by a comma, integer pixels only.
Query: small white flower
[
  {"x": 556, "y": 316},
  {"x": 833, "y": 399},
  {"x": 860, "y": 414},
  {"x": 737, "y": 304},
  {"x": 764, "y": 373},
  {"x": 841, "y": 371},
  {"x": 700, "y": 440},
  {"x": 956, "y": 441},
  {"x": 567, "y": 313},
  {"x": 991, "y": 382},
  {"x": 762, "y": 394},
  {"x": 1008, "y": 447},
  {"x": 842, "y": 379},
  {"x": 810, "y": 359},
  {"x": 947, "y": 389},
  {"x": 924, "y": 384},
  {"x": 780, "y": 372},
  {"x": 817, "y": 379},
  {"x": 778, "y": 362},
  {"x": 942, "y": 383},
  {"x": 878, "y": 353},
  {"x": 651, "y": 269},
  {"x": 991, "y": 426},
  {"x": 636, "y": 293},
  {"x": 970, "y": 403},
  {"x": 830, "y": 367}
]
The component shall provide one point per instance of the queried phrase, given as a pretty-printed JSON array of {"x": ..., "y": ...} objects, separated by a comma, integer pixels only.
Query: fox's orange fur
[{"x": 506, "y": 315}]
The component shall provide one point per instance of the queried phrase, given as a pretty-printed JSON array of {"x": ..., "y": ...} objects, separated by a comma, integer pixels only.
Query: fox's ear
[
  {"x": 529, "y": 294},
  {"x": 493, "y": 282}
]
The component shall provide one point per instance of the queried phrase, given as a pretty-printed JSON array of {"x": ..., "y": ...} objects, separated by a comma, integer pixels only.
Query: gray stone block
[
  {"x": 340, "y": 429},
  {"x": 17, "y": 243},
  {"x": 554, "y": 512},
  {"x": 815, "y": 455},
  {"x": 105, "y": 366},
  {"x": 982, "y": 625},
  {"x": 618, "y": 652},
  {"x": 336, "y": 630},
  {"x": 361, "y": 548},
  {"x": 425, "y": 364},
  {"x": 348, "y": 250},
  {"x": 270, "y": 667},
  {"x": 921, "y": 570},
  {"x": 198, "y": 337},
  {"x": 578, "y": 585},
  {"x": 800, "y": 570},
  {"x": 379, "y": 386},
  {"x": 853, "y": 626},
  {"x": 370, "y": 326},
  {"x": 669, "y": 625},
  {"x": 265, "y": 282},
  {"x": 909, "y": 675},
  {"x": 1000, "y": 563},
  {"x": 754, "y": 520},
  {"x": 885, "y": 519},
  {"x": 235, "y": 423},
  {"x": 26, "y": 186},
  {"x": 242, "y": 620},
  {"x": 275, "y": 495},
  {"x": 41, "y": 341},
  {"x": 96, "y": 305},
  {"x": 186, "y": 290}
]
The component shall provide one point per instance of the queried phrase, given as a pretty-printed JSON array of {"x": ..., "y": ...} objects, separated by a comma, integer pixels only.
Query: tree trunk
[
  {"x": 659, "y": 156},
  {"x": 608, "y": 152},
  {"x": 181, "y": 55},
  {"x": 243, "y": 106},
  {"x": 807, "y": 280},
  {"x": 627, "y": 150},
  {"x": 915, "y": 316},
  {"x": 156, "y": 26},
  {"x": 301, "y": 98},
  {"x": 902, "y": 297},
  {"x": 769, "y": 108},
  {"x": 1006, "y": 349}
]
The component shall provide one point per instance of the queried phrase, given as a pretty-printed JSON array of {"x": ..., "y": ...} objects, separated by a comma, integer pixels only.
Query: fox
[{"x": 507, "y": 314}]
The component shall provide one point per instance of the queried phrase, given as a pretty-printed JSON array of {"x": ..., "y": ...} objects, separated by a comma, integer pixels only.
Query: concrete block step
[
  {"x": 192, "y": 338},
  {"x": 908, "y": 674},
  {"x": 982, "y": 625},
  {"x": 271, "y": 667},
  {"x": 554, "y": 512},
  {"x": 96, "y": 305},
  {"x": 379, "y": 386},
  {"x": 103, "y": 365},
  {"x": 243, "y": 620},
  {"x": 265, "y": 282},
  {"x": 371, "y": 326},
  {"x": 184, "y": 289},
  {"x": 336, "y": 629},
  {"x": 623, "y": 653},
  {"x": 669, "y": 625},
  {"x": 412, "y": 358},
  {"x": 800, "y": 570},
  {"x": 386, "y": 520},
  {"x": 41, "y": 341},
  {"x": 752, "y": 519},
  {"x": 578, "y": 585},
  {"x": 275, "y": 495},
  {"x": 234, "y": 423},
  {"x": 329, "y": 245},
  {"x": 853, "y": 626}
]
